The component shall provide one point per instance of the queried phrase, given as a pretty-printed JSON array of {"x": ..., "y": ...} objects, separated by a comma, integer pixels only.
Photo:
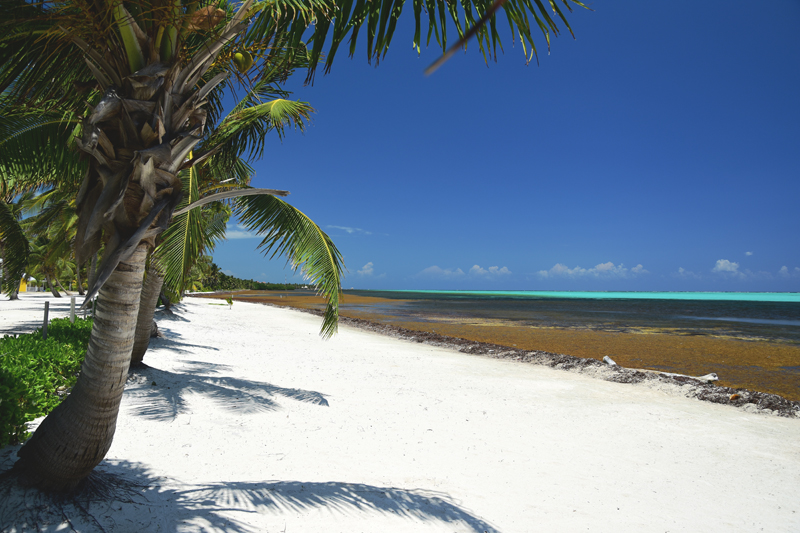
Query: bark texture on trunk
[
  {"x": 153, "y": 281},
  {"x": 77, "y": 434},
  {"x": 92, "y": 275}
]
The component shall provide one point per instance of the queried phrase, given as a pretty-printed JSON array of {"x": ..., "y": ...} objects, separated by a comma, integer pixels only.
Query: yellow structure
[{"x": 23, "y": 285}]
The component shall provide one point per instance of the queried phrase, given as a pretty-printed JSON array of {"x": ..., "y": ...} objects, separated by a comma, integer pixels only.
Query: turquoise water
[{"x": 598, "y": 295}]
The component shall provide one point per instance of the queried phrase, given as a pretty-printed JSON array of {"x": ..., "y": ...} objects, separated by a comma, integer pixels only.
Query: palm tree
[
  {"x": 152, "y": 71},
  {"x": 240, "y": 137},
  {"x": 34, "y": 158},
  {"x": 51, "y": 227},
  {"x": 14, "y": 249}
]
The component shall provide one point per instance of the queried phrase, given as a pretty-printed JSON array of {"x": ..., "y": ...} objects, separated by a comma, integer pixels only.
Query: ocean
[{"x": 765, "y": 316}]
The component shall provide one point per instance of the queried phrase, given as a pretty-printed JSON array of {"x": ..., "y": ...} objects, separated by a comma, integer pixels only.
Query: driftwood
[{"x": 708, "y": 378}]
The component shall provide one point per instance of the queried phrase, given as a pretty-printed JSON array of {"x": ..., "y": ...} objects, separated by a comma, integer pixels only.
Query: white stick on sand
[{"x": 248, "y": 421}]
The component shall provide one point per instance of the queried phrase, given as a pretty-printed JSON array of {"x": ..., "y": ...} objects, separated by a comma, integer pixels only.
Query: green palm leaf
[
  {"x": 15, "y": 247},
  {"x": 36, "y": 149},
  {"x": 243, "y": 132},
  {"x": 183, "y": 241},
  {"x": 288, "y": 232}
]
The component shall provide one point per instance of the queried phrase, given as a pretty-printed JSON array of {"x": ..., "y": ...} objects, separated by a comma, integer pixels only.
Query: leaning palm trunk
[
  {"x": 75, "y": 437},
  {"x": 151, "y": 289},
  {"x": 60, "y": 286},
  {"x": 53, "y": 290},
  {"x": 139, "y": 136}
]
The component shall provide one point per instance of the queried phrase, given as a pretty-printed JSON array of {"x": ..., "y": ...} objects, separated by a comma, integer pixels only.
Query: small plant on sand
[
  {"x": 229, "y": 299},
  {"x": 36, "y": 373}
]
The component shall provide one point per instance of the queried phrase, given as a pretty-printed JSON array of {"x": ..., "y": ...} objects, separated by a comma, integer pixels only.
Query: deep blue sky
[{"x": 659, "y": 150}]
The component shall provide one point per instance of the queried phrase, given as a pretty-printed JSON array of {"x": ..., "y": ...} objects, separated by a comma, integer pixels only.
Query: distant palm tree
[
  {"x": 14, "y": 248},
  {"x": 150, "y": 70}
]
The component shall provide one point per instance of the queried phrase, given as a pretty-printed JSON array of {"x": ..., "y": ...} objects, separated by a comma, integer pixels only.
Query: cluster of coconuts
[{"x": 243, "y": 61}]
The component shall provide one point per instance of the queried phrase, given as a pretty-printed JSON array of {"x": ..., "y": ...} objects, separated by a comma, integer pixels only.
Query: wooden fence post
[
  {"x": 44, "y": 325},
  {"x": 72, "y": 309}
]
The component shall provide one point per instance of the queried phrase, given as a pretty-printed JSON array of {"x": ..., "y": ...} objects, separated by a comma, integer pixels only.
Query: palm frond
[
  {"x": 36, "y": 149},
  {"x": 15, "y": 248},
  {"x": 336, "y": 22},
  {"x": 286, "y": 231},
  {"x": 216, "y": 177},
  {"x": 183, "y": 241},
  {"x": 243, "y": 132},
  {"x": 38, "y": 63}
]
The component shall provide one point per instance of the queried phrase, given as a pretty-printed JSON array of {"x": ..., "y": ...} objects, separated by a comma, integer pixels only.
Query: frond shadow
[
  {"x": 21, "y": 328},
  {"x": 126, "y": 495},
  {"x": 168, "y": 339},
  {"x": 174, "y": 314},
  {"x": 161, "y": 395}
]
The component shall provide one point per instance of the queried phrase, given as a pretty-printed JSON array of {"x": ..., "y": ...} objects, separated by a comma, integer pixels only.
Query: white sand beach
[{"x": 247, "y": 421}]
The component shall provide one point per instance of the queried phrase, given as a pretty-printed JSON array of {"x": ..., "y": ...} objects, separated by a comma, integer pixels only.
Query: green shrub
[{"x": 34, "y": 370}]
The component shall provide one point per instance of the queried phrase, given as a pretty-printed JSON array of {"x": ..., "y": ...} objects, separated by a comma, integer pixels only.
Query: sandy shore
[
  {"x": 247, "y": 421},
  {"x": 750, "y": 363}
]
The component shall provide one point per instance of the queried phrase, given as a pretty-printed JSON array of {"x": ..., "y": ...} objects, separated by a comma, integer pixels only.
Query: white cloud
[
  {"x": 688, "y": 274},
  {"x": 435, "y": 271},
  {"x": 730, "y": 269},
  {"x": 239, "y": 233},
  {"x": 476, "y": 270},
  {"x": 367, "y": 270},
  {"x": 785, "y": 273},
  {"x": 723, "y": 265},
  {"x": 350, "y": 230},
  {"x": 602, "y": 270},
  {"x": 748, "y": 254},
  {"x": 228, "y": 272}
]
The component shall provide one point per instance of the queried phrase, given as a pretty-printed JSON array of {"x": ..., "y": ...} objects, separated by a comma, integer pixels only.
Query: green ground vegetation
[{"x": 36, "y": 373}]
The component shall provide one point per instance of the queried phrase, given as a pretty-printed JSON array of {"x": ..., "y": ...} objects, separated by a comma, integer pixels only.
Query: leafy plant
[{"x": 36, "y": 374}]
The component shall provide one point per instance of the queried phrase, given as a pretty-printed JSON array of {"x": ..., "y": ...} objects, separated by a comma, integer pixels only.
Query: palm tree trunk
[
  {"x": 78, "y": 280},
  {"x": 50, "y": 285},
  {"x": 92, "y": 274},
  {"x": 60, "y": 286},
  {"x": 77, "y": 434},
  {"x": 153, "y": 281}
]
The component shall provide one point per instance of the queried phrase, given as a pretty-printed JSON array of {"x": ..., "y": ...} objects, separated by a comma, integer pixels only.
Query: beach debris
[
  {"x": 610, "y": 361},
  {"x": 734, "y": 397}
]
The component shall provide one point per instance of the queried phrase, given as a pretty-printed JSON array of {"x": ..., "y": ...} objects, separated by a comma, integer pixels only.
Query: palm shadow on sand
[
  {"x": 170, "y": 340},
  {"x": 127, "y": 496},
  {"x": 161, "y": 395}
]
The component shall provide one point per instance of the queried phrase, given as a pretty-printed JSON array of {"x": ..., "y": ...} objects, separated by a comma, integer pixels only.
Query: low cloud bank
[
  {"x": 603, "y": 270},
  {"x": 491, "y": 272}
]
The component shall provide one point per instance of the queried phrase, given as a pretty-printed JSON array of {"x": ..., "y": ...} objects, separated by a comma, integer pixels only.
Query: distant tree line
[{"x": 216, "y": 280}]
